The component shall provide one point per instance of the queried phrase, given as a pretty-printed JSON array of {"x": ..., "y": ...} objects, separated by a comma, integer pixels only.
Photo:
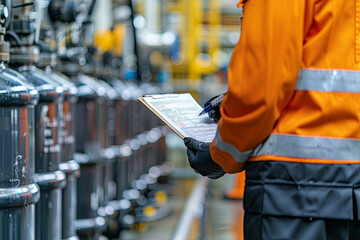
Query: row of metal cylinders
[{"x": 79, "y": 155}]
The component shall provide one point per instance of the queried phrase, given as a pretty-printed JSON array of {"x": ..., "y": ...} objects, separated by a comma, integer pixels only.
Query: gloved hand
[
  {"x": 214, "y": 113},
  {"x": 200, "y": 159}
]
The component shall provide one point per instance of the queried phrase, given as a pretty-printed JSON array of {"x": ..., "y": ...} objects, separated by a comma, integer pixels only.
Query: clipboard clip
[{"x": 162, "y": 95}]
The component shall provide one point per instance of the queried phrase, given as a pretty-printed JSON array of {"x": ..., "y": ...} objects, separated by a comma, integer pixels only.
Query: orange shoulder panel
[{"x": 241, "y": 3}]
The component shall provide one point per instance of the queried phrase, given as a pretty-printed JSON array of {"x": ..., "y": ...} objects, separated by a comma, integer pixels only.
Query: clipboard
[{"x": 180, "y": 112}]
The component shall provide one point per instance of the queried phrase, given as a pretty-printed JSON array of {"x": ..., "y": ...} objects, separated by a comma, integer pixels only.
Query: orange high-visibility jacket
[{"x": 294, "y": 85}]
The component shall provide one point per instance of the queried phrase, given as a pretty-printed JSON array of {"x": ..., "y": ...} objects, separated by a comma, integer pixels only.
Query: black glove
[
  {"x": 214, "y": 113},
  {"x": 200, "y": 159}
]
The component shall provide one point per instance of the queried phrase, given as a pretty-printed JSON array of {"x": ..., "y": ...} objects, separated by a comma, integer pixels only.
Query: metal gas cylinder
[
  {"x": 137, "y": 111},
  {"x": 18, "y": 191},
  {"x": 151, "y": 153},
  {"x": 123, "y": 150},
  {"x": 90, "y": 129},
  {"x": 124, "y": 121},
  {"x": 108, "y": 155},
  {"x": 47, "y": 153},
  {"x": 69, "y": 166},
  {"x": 109, "y": 152}
]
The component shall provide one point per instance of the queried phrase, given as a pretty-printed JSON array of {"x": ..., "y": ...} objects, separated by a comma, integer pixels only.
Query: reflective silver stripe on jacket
[
  {"x": 297, "y": 147},
  {"x": 309, "y": 147},
  {"x": 226, "y": 147},
  {"x": 328, "y": 81}
]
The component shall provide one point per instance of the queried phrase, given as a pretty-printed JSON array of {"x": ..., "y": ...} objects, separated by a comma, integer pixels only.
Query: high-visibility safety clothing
[{"x": 294, "y": 85}]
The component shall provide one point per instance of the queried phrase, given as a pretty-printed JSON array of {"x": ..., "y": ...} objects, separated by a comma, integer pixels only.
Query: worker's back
[
  {"x": 331, "y": 55},
  {"x": 326, "y": 101},
  {"x": 332, "y": 35}
]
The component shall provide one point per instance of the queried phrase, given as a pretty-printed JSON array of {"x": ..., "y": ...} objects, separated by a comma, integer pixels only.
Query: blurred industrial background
[{"x": 81, "y": 158}]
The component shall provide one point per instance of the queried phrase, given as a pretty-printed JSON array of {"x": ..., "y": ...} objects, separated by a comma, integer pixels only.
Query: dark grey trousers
[
  {"x": 297, "y": 201},
  {"x": 265, "y": 227}
]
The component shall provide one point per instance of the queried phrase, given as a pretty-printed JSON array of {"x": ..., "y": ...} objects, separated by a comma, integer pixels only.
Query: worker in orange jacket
[{"x": 291, "y": 118}]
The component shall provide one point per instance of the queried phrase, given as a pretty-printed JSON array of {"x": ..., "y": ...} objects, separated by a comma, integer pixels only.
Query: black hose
[
  {"x": 91, "y": 8},
  {"x": 136, "y": 52},
  {"x": 23, "y": 5},
  {"x": 14, "y": 36}
]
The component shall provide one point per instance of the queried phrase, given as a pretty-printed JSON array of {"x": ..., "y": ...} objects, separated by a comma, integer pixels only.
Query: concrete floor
[
  {"x": 163, "y": 229},
  {"x": 223, "y": 218}
]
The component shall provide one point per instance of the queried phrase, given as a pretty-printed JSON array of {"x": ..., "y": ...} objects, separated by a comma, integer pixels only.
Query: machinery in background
[
  {"x": 121, "y": 147},
  {"x": 141, "y": 130},
  {"x": 190, "y": 40},
  {"x": 69, "y": 111}
]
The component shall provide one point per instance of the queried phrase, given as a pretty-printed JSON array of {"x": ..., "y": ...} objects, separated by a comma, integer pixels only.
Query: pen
[{"x": 212, "y": 104}]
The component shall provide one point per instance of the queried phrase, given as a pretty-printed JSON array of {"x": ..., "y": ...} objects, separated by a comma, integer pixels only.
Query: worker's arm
[{"x": 262, "y": 76}]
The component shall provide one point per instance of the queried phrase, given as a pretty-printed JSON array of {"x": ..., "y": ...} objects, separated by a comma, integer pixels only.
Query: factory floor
[
  {"x": 221, "y": 220},
  {"x": 224, "y": 219}
]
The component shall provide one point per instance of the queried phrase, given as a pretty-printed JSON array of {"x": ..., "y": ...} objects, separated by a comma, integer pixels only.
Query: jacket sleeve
[{"x": 262, "y": 76}]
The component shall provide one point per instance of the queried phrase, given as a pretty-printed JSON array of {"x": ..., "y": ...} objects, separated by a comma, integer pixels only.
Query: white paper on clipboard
[{"x": 180, "y": 112}]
